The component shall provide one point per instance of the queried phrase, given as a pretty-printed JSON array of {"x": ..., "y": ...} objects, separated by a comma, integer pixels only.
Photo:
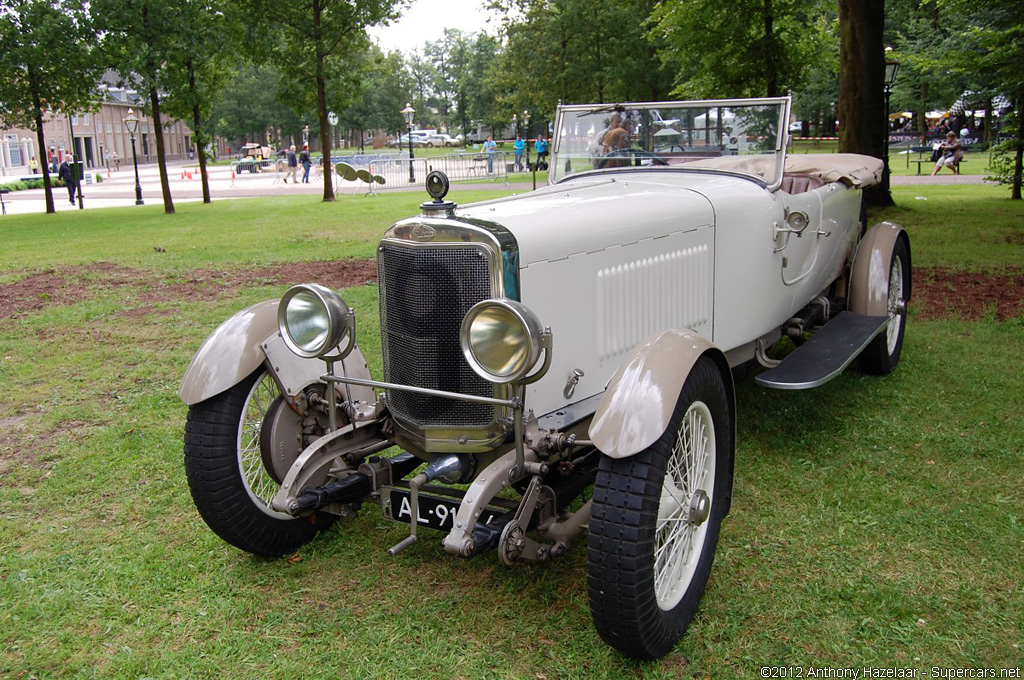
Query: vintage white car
[{"x": 560, "y": 361}]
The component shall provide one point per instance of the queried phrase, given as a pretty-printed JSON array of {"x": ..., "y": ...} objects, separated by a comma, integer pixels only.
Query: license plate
[{"x": 435, "y": 512}]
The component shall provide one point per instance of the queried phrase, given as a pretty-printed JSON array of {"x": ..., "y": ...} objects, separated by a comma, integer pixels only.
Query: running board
[{"x": 826, "y": 353}]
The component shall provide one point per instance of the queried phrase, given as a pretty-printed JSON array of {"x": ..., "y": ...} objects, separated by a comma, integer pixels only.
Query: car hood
[{"x": 590, "y": 214}]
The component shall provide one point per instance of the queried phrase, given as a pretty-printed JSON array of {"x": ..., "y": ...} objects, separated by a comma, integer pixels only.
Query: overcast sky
[{"x": 425, "y": 21}]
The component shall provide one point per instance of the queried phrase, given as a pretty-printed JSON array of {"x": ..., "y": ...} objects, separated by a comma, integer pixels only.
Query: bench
[{"x": 929, "y": 161}]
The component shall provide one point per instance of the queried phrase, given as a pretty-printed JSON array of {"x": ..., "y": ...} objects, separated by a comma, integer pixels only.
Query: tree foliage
[
  {"x": 139, "y": 37},
  {"x": 577, "y": 51},
  {"x": 197, "y": 65},
  {"x": 312, "y": 43},
  {"x": 746, "y": 48},
  {"x": 48, "y": 65}
]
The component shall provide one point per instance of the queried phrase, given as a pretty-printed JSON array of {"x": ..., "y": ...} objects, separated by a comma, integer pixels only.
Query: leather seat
[{"x": 797, "y": 184}]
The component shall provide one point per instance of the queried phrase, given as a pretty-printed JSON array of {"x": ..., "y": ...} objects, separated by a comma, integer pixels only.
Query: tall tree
[
  {"x": 992, "y": 48},
  {"x": 139, "y": 36},
  {"x": 197, "y": 67},
  {"x": 314, "y": 37},
  {"x": 863, "y": 121},
  {"x": 251, "y": 103},
  {"x": 47, "y": 65},
  {"x": 577, "y": 51},
  {"x": 385, "y": 90},
  {"x": 750, "y": 48}
]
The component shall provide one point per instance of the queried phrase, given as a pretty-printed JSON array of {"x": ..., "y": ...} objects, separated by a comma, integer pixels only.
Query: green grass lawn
[{"x": 876, "y": 522}]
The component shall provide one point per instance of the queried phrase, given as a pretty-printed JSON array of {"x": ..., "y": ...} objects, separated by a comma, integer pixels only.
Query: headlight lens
[
  {"x": 314, "y": 320},
  {"x": 501, "y": 340}
]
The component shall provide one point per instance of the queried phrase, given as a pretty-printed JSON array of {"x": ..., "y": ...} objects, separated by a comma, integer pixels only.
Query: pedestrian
[
  {"x": 541, "y": 147},
  {"x": 106, "y": 159},
  {"x": 54, "y": 160},
  {"x": 67, "y": 173},
  {"x": 117, "y": 163},
  {"x": 33, "y": 165},
  {"x": 519, "y": 148},
  {"x": 305, "y": 162},
  {"x": 293, "y": 165},
  {"x": 491, "y": 149},
  {"x": 952, "y": 151}
]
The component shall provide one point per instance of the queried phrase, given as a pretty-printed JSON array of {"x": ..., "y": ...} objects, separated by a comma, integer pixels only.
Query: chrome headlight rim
[
  {"x": 474, "y": 340},
  {"x": 336, "y": 319}
]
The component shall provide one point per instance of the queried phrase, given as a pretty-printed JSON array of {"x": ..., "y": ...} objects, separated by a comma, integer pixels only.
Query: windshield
[{"x": 747, "y": 136}]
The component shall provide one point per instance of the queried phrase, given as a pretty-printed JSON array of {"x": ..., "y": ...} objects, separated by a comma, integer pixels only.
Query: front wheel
[
  {"x": 227, "y": 471},
  {"x": 882, "y": 355},
  {"x": 655, "y": 522}
]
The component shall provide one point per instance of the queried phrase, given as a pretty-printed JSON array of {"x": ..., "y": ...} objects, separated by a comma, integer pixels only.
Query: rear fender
[
  {"x": 641, "y": 396},
  {"x": 247, "y": 339},
  {"x": 869, "y": 278}
]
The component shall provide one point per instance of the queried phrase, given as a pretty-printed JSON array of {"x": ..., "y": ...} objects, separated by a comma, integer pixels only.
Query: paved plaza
[{"x": 118, "y": 189}]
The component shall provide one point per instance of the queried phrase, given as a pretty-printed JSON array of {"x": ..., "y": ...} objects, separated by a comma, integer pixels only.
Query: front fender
[
  {"x": 239, "y": 345},
  {"x": 869, "y": 278},
  {"x": 641, "y": 396}
]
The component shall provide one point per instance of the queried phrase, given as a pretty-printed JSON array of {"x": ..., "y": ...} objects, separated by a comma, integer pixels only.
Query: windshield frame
[{"x": 580, "y": 145}]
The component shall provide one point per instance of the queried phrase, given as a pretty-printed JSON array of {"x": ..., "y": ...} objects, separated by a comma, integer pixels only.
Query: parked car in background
[
  {"x": 442, "y": 140},
  {"x": 418, "y": 140},
  {"x": 561, "y": 361}
]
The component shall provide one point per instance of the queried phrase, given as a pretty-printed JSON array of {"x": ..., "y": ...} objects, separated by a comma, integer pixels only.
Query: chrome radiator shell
[{"x": 430, "y": 272}]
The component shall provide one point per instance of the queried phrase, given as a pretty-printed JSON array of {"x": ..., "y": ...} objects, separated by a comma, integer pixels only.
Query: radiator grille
[{"x": 425, "y": 291}]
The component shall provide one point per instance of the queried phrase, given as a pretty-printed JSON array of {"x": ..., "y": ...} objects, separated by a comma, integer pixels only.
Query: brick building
[{"x": 95, "y": 134}]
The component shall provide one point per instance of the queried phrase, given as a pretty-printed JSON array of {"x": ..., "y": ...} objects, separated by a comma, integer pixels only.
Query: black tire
[
  {"x": 642, "y": 604},
  {"x": 883, "y": 354},
  {"x": 237, "y": 508}
]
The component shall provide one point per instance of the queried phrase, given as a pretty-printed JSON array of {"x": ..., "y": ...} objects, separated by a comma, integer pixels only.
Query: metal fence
[
  {"x": 391, "y": 171},
  {"x": 398, "y": 172}
]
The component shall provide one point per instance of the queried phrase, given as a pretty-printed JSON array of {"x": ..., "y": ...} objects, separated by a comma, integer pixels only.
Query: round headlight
[
  {"x": 501, "y": 340},
  {"x": 314, "y": 320}
]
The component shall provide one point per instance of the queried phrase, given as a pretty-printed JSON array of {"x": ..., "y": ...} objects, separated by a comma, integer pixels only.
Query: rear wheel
[
  {"x": 883, "y": 354},
  {"x": 655, "y": 522},
  {"x": 227, "y": 469}
]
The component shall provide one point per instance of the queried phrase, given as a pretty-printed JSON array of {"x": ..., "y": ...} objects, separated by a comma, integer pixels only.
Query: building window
[{"x": 12, "y": 145}]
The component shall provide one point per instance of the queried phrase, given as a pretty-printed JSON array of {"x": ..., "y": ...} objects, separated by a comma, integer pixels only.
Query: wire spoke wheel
[
  {"x": 655, "y": 521},
  {"x": 893, "y": 333},
  {"x": 227, "y": 475},
  {"x": 882, "y": 355},
  {"x": 260, "y": 486},
  {"x": 682, "y": 516}
]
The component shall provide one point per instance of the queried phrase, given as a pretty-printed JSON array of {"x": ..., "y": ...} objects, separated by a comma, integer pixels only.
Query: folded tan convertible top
[{"x": 853, "y": 169}]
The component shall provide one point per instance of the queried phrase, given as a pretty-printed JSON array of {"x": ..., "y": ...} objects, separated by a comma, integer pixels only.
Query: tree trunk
[
  {"x": 1018, "y": 157},
  {"x": 321, "y": 105},
  {"x": 44, "y": 164},
  {"x": 863, "y": 121},
  {"x": 161, "y": 156},
  {"x": 197, "y": 133}
]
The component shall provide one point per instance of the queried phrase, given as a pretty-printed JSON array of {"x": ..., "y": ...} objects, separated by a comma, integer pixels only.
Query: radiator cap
[{"x": 437, "y": 187}]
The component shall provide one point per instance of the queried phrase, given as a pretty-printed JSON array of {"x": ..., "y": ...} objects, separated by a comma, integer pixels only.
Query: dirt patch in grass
[
  {"x": 943, "y": 292},
  {"x": 69, "y": 285},
  {"x": 939, "y": 292}
]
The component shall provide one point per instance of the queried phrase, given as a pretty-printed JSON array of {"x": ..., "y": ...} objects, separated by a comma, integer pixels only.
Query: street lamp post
[
  {"x": 407, "y": 113},
  {"x": 891, "y": 67},
  {"x": 526, "y": 135},
  {"x": 131, "y": 123}
]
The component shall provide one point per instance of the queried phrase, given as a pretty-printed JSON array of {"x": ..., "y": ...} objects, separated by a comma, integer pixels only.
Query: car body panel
[
  {"x": 869, "y": 279},
  {"x": 653, "y": 375}
]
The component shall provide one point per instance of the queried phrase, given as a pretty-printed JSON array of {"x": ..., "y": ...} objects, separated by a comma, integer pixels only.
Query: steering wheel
[{"x": 628, "y": 153}]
